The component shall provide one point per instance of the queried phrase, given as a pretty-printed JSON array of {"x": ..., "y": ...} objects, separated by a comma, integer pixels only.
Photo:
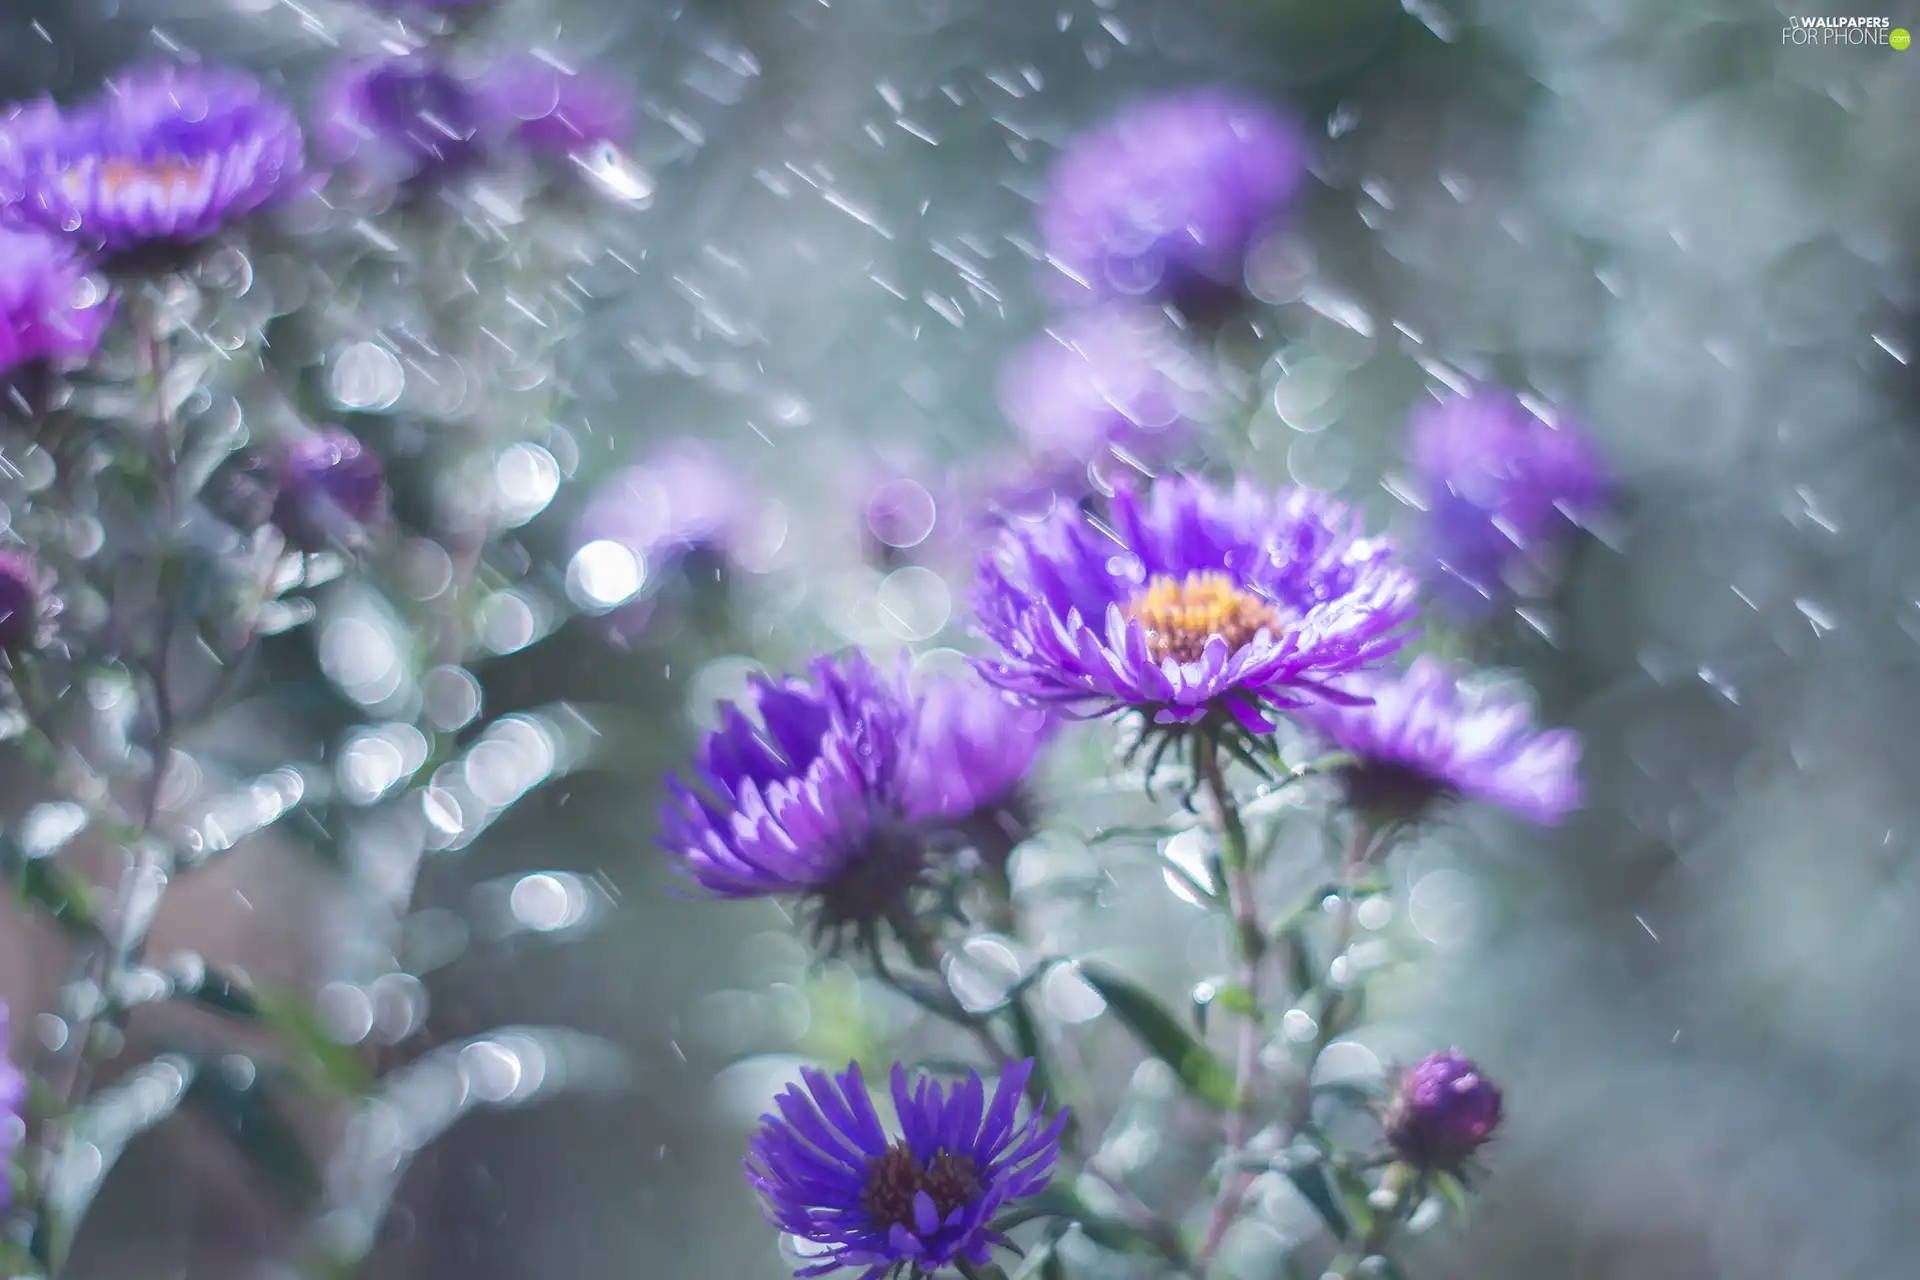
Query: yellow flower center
[
  {"x": 170, "y": 175},
  {"x": 1180, "y": 614}
]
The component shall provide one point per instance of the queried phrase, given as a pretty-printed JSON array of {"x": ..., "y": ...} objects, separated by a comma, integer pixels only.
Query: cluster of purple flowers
[
  {"x": 414, "y": 118},
  {"x": 1208, "y": 612}
]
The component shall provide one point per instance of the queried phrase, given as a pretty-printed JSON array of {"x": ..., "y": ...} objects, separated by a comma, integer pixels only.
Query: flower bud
[
  {"x": 1446, "y": 1110},
  {"x": 331, "y": 488}
]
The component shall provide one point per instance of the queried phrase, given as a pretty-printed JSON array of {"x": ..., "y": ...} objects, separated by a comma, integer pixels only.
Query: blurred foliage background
[{"x": 1660, "y": 215}]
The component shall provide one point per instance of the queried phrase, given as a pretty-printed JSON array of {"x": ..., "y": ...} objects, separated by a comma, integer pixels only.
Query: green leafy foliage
[{"x": 1205, "y": 1076}]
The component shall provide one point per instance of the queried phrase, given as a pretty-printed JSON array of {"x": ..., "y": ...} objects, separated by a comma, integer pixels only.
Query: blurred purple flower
[
  {"x": 828, "y": 1172},
  {"x": 806, "y": 803},
  {"x": 1424, "y": 738},
  {"x": 1501, "y": 485},
  {"x": 331, "y": 489},
  {"x": 1445, "y": 1111},
  {"x": 26, "y": 601},
  {"x": 166, "y": 154},
  {"x": 1167, "y": 198},
  {"x": 13, "y": 1101},
  {"x": 403, "y": 119},
  {"x": 1199, "y": 604},
  {"x": 683, "y": 498},
  {"x": 51, "y": 306},
  {"x": 971, "y": 752},
  {"x": 554, "y": 108},
  {"x": 1110, "y": 379}
]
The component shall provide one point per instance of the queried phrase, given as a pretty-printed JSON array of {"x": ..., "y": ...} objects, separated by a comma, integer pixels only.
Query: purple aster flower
[
  {"x": 972, "y": 750},
  {"x": 1197, "y": 604},
  {"x": 13, "y": 1099},
  {"x": 828, "y": 1172},
  {"x": 1445, "y": 1111},
  {"x": 1167, "y": 198},
  {"x": 1500, "y": 485},
  {"x": 555, "y": 108},
  {"x": 805, "y": 803},
  {"x": 26, "y": 601},
  {"x": 1112, "y": 379},
  {"x": 402, "y": 119},
  {"x": 51, "y": 306},
  {"x": 167, "y": 154},
  {"x": 331, "y": 488},
  {"x": 1425, "y": 738}
]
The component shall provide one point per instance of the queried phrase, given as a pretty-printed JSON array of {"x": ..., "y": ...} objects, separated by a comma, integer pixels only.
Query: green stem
[
  {"x": 1359, "y": 857},
  {"x": 1249, "y": 946}
]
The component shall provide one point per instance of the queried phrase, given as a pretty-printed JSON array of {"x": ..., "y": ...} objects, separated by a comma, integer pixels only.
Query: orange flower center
[{"x": 1180, "y": 614}]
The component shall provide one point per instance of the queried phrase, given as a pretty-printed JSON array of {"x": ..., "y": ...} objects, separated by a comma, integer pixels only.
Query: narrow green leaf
[
  {"x": 1302, "y": 972},
  {"x": 1029, "y": 1043},
  {"x": 1353, "y": 1194},
  {"x": 325, "y": 1064},
  {"x": 250, "y": 1118},
  {"x": 1454, "y": 1192},
  {"x": 1206, "y": 1077},
  {"x": 1221, "y": 994},
  {"x": 56, "y": 893},
  {"x": 1043, "y": 1260},
  {"x": 1309, "y": 1178},
  {"x": 212, "y": 987}
]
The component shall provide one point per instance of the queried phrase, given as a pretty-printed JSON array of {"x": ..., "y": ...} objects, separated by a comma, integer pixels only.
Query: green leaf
[
  {"x": 1301, "y": 970},
  {"x": 51, "y": 890},
  {"x": 1206, "y": 1077},
  {"x": 1027, "y": 1040},
  {"x": 250, "y": 1117},
  {"x": 1353, "y": 1194},
  {"x": 1231, "y": 996},
  {"x": 321, "y": 1061},
  {"x": 1454, "y": 1192},
  {"x": 1310, "y": 1180},
  {"x": 212, "y": 987}
]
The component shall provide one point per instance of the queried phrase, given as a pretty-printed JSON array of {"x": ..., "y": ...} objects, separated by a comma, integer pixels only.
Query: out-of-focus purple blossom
[
  {"x": 683, "y": 498},
  {"x": 1445, "y": 1111},
  {"x": 828, "y": 1172},
  {"x": 332, "y": 488},
  {"x": 166, "y": 154},
  {"x": 1501, "y": 487},
  {"x": 1113, "y": 379},
  {"x": 972, "y": 751},
  {"x": 403, "y": 119},
  {"x": 52, "y": 307},
  {"x": 1167, "y": 198},
  {"x": 26, "y": 600},
  {"x": 554, "y": 108},
  {"x": 13, "y": 1101},
  {"x": 806, "y": 803},
  {"x": 1199, "y": 603},
  {"x": 1424, "y": 738}
]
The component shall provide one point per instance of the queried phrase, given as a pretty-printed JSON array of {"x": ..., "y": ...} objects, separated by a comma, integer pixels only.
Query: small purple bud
[
  {"x": 331, "y": 488},
  {"x": 1446, "y": 1110},
  {"x": 23, "y": 591}
]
